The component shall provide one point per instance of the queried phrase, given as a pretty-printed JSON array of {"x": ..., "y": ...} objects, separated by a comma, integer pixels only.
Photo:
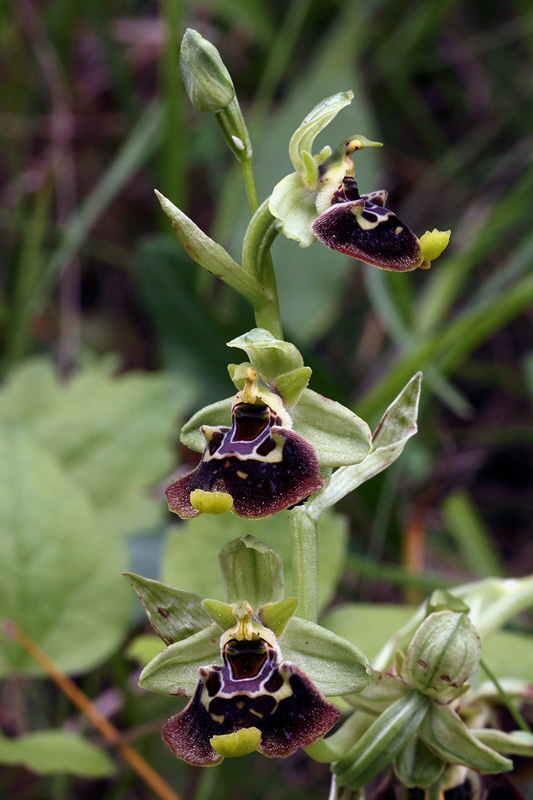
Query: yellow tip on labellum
[
  {"x": 240, "y": 743},
  {"x": 211, "y": 502},
  {"x": 432, "y": 244}
]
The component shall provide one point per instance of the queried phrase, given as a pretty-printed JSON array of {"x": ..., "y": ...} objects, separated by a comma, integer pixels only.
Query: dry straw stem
[{"x": 106, "y": 728}]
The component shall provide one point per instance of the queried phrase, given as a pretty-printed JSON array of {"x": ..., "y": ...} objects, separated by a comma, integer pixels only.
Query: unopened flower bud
[
  {"x": 443, "y": 653},
  {"x": 207, "y": 81}
]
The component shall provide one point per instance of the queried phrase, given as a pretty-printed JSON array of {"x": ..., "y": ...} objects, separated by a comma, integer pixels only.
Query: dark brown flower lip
[
  {"x": 264, "y": 467},
  {"x": 361, "y": 227},
  {"x": 279, "y": 700}
]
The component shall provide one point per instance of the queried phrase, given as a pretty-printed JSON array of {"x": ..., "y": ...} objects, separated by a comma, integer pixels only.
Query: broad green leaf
[
  {"x": 190, "y": 562},
  {"x": 317, "y": 119},
  {"x": 416, "y": 765},
  {"x": 60, "y": 572},
  {"x": 144, "y": 648},
  {"x": 390, "y": 437},
  {"x": 445, "y": 734},
  {"x": 52, "y": 752},
  {"x": 335, "y": 665},
  {"x": 175, "y": 669},
  {"x": 251, "y": 571},
  {"x": 173, "y": 614},
  {"x": 496, "y": 649},
  {"x": 270, "y": 356},
  {"x": 516, "y": 743},
  {"x": 338, "y": 435},
  {"x": 382, "y": 742},
  {"x": 110, "y": 433}
]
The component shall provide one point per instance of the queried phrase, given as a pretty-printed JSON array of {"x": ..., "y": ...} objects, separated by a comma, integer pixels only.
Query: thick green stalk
[
  {"x": 304, "y": 563},
  {"x": 257, "y": 261}
]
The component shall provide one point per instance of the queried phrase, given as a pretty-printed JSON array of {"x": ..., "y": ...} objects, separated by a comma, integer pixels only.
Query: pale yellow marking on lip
[
  {"x": 398, "y": 230},
  {"x": 242, "y": 474}
]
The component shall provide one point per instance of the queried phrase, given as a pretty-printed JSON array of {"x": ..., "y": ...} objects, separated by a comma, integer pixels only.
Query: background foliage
[{"x": 93, "y": 117}]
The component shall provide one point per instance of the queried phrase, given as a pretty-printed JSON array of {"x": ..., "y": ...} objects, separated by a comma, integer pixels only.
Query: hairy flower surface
[
  {"x": 263, "y": 466},
  {"x": 361, "y": 227},
  {"x": 321, "y": 201},
  {"x": 253, "y": 690}
]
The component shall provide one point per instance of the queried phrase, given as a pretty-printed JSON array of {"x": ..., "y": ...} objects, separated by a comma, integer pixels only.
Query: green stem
[
  {"x": 257, "y": 261},
  {"x": 434, "y": 792},
  {"x": 511, "y": 707},
  {"x": 304, "y": 563}
]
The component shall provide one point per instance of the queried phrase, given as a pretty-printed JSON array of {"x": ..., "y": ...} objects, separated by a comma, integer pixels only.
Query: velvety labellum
[
  {"x": 361, "y": 227},
  {"x": 265, "y": 468},
  {"x": 251, "y": 690}
]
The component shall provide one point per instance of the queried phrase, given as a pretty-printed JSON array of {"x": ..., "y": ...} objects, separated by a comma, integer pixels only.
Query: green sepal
[
  {"x": 277, "y": 616},
  {"x": 211, "y": 255},
  {"x": 173, "y": 614},
  {"x": 270, "y": 356},
  {"x": 338, "y": 436},
  {"x": 212, "y": 415},
  {"x": 382, "y": 691},
  {"x": 206, "y": 78},
  {"x": 221, "y": 613},
  {"x": 335, "y": 666},
  {"x": 397, "y": 426},
  {"x": 293, "y": 205},
  {"x": 515, "y": 743},
  {"x": 333, "y": 747},
  {"x": 251, "y": 571},
  {"x": 317, "y": 119},
  {"x": 443, "y": 731},
  {"x": 442, "y": 655},
  {"x": 175, "y": 670},
  {"x": 382, "y": 742},
  {"x": 416, "y": 765}
]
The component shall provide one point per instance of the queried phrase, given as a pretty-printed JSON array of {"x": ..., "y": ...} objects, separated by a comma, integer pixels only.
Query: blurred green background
[{"x": 111, "y": 336}]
